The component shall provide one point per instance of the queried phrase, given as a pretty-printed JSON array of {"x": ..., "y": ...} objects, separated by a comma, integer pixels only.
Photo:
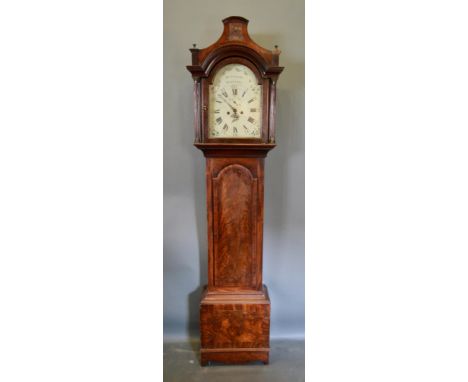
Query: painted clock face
[{"x": 235, "y": 103}]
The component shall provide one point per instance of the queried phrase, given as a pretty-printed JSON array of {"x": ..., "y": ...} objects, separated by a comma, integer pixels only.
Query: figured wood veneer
[
  {"x": 234, "y": 228},
  {"x": 235, "y": 327},
  {"x": 235, "y": 221}
]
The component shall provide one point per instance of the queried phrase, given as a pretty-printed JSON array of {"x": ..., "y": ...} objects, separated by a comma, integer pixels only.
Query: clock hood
[{"x": 235, "y": 41}]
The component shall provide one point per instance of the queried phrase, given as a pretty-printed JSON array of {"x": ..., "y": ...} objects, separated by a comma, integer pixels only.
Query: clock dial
[{"x": 235, "y": 103}]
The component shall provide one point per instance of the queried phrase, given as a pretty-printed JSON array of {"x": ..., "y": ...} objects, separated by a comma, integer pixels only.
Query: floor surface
[{"x": 182, "y": 363}]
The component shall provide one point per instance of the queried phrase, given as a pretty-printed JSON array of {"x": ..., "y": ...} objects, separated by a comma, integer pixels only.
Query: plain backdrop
[
  {"x": 185, "y": 237},
  {"x": 81, "y": 189},
  {"x": 386, "y": 191}
]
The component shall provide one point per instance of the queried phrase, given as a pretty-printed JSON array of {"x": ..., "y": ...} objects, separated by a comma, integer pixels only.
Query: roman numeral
[
  {"x": 235, "y": 130},
  {"x": 245, "y": 127},
  {"x": 253, "y": 99},
  {"x": 219, "y": 120},
  {"x": 234, "y": 91},
  {"x": 218, "y": 101},
  {"x": 225, "y": 127},
  {"x": 251, "y": 120},
  {"x": 245, "y": 91},
  {"x": 253, "y": 110},
  {"x": 216, "y": 111},
  {"x": 224, "y": 93}
]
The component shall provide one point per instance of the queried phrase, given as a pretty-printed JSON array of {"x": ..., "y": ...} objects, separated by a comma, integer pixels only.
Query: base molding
[{"x": 234, "y": 356}]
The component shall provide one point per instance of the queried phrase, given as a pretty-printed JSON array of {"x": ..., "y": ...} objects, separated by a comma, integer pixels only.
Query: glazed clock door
[{"x": 235, "y": 103}]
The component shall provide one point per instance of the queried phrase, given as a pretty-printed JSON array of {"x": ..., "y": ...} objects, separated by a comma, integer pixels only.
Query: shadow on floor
[{"x": 181, "y": 364}]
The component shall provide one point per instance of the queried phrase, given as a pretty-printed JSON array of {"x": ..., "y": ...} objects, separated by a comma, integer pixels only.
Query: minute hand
[{"x": 233, "y": 109}]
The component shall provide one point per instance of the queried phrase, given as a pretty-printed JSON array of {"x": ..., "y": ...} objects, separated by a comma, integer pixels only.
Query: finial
[
  {"x": 194, "y": 45},
  {"x": 276, "y": 46}
]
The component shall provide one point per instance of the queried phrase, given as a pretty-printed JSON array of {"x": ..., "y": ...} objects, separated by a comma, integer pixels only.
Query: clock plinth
[
  {"x": 234, "y": 107},
  {"x": 235, "y": 327}
]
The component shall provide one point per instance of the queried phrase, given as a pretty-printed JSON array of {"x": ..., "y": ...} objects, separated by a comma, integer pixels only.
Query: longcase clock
[{"x": 235, "y": 106}]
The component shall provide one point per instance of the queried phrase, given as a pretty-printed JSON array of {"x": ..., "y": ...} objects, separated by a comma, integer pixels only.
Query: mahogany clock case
[{"x": 235, "y": 306}]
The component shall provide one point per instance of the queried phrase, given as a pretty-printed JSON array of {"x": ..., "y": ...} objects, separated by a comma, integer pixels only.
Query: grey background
[{"x": 185, "y": 248}]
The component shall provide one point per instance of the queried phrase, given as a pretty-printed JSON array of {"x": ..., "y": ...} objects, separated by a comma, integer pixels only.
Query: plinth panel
[{"x": 235, "y": 328}]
